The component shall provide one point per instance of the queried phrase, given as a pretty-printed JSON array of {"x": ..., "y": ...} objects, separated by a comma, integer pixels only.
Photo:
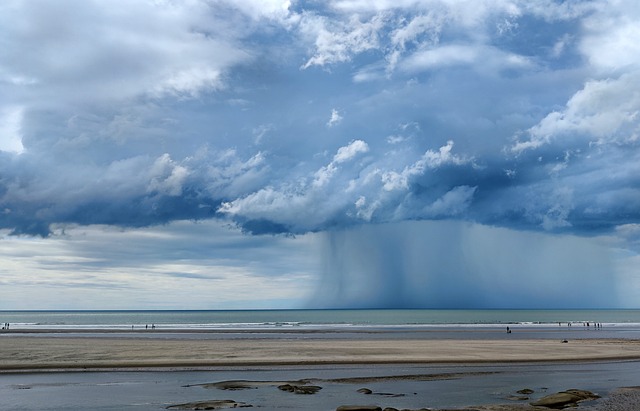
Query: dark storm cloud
[{"x": 289, "y": 118}]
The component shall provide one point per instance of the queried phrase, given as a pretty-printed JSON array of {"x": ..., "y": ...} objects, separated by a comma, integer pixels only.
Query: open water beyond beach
[{"x": 312, "y": 319}]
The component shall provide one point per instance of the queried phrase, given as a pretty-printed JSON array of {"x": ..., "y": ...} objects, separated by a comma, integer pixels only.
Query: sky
[{"x": 224, "y": 154}]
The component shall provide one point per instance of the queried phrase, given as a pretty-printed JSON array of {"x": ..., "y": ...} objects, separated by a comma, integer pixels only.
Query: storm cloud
[{"x": 294, "y": 117}]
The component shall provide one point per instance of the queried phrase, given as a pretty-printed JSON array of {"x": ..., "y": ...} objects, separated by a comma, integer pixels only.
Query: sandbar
[{"x": 26, "y": 353}]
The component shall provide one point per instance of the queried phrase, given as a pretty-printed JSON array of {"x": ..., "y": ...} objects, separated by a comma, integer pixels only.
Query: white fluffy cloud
[
  {"x": 335, "y": 118},
  {"x": 612, "y": 37},
  {"x": 607, "y": 108},
  {"x": 393, "y": 180},
  {"x": 337, "y": 42},
  {"x": 129, "y": 50},
  {"x": 604, "y": 111},
  {"x": 295, "y": 205},
  {"x": 348, "y": 152},
  {"x": 270, "y": 9},
  {"x": 10, "y": 135},
  {"x": 481, "y": 57}
]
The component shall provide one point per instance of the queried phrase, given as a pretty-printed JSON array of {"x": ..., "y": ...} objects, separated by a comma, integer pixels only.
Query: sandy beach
[{"x": 31, "y": 353}]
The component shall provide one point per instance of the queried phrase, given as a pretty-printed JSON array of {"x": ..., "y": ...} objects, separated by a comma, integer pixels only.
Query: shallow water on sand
[{"x": 472, "y": 385}]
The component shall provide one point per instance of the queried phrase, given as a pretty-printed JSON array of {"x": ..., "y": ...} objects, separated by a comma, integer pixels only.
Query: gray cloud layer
[{"x": 302, "y": 117}]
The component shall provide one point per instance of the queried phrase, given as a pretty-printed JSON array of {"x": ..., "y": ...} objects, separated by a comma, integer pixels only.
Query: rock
[
  {"x": 300, "y": 389},
  {"x": 517, "y": 397},
  {"x": 586, "y": 395},
  {"x": 245, "y": 385},
  {"x": 525, "y": 391},
  {"x": 564, "y": 399},
  {"x": 306, "y": 389},
  {"x": 367, "y": 391},
  {"x": 231, "y": 385},
  {"x": 209, "y": 405},
  {"x": 286, "y": 387},
  {"x": 390, "y": 409},
  {"x": 358, "y": 408}
]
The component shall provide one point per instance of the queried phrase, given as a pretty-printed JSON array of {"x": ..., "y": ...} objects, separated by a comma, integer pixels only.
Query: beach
[
  {"x": 72, "y": 353},
  {"x": 226, "y": 370}
]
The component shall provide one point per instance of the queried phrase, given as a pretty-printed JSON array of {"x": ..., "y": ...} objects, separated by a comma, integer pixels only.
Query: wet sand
[{"x": 26, "y": 353}]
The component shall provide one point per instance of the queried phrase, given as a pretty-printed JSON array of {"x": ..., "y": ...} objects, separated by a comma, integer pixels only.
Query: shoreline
[
  {"x": 63, "y": 353},
  {"x": 462, "y": 328}
]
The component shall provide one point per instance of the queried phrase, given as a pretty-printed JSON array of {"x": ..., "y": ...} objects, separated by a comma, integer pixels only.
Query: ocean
[{"x": 312, "y": 319}]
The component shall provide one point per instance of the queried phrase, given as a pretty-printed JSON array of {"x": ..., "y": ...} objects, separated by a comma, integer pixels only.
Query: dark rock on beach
[
  {"x": 525, "y": 391},
  {"x": 563, "y": 399},
  {"x": 367, "y": 391},
  {"x": 233, "y": 385},
  {"x": 517, "y": 398},
  {"x": 300, "y": 389},
  {"x": 209, "y": 405},
  {"x": 358, "y": 408}
]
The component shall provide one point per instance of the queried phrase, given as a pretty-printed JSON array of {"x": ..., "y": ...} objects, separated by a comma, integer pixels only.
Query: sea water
[{"x": 311, "y": 319}]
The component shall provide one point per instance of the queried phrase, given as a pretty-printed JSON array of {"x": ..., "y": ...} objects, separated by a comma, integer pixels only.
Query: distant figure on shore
[
  {"x": 153, "y": 326},
  {"x": 508, "y": 330}
]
